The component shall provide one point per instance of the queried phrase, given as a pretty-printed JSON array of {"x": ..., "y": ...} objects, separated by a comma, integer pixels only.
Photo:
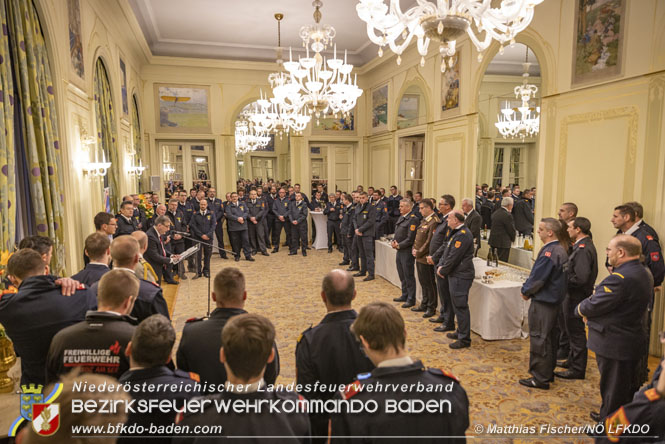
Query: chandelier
[
  {"x": 317, "y": 85},
  {"x": 250, "y": 135},
  {"x": 528, "y": 122},
  {"x": 444, "y": 22}
]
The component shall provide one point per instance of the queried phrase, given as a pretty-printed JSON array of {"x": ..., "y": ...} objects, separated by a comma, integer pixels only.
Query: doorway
[
  {"x": 187, "y": 164},
  {"x": 411, "y": 161}
]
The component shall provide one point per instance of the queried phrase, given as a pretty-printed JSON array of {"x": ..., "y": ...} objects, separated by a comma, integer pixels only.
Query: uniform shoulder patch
[
  {"x": 413, "y": 227},
  {"x": 440, "y": 371},
  {"x": 652, "y": 395},
  {"x": 548, "y": 254},
  {"x": 655, "y": 256},
  {"x": 194, "y": 376},
  {"x": 649, "y": 237},
  {"x": 351, "y": 389},
  {"x": 582, "y": 245},
  {"x": 463, "y": 231},
  {"x": 457, "y": 244},
  {"x": 155, "y": 284},
  {"x": 193, "y": 320}
]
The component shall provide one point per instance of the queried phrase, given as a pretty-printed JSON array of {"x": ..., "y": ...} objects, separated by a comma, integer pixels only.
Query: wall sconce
[
  {"x": 96, "y": 168},
  {"x": 136, "y": 169},
  {"x": 168, "y": 169}
]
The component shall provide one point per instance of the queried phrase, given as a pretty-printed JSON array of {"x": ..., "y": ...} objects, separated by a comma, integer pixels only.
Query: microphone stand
[{"x": 206, "y": 243}]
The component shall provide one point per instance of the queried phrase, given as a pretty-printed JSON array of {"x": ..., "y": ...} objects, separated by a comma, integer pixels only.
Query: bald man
[{"x": 143, "y": 269}]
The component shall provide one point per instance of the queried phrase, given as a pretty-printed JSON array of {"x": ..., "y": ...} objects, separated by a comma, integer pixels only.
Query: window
[
  {"x": 497, "y": 179},
  {"x": 413, "y": 164},
  {"x": 263, "y": 167},
  {"x": 514, "y": 174}
]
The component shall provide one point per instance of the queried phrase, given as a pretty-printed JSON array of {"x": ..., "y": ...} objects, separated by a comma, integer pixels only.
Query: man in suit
[
  {"x": 473, "y": 222},
  {"x": 125, "y": 219},
  {"x": 97, "y": 249},
  {"x": 365, "y": 221},
  {"x": 156, "y": 254},
  {"x": 616, "y": 316},
  {"x": 298, "y": 212},
  {"x": 177, "y": 241},
  {"x": 236, "y": 219},
  {"x": 523, "y": 214},
  {"x": 503, "y": 229},
  {"x": 216, "y": 205}
]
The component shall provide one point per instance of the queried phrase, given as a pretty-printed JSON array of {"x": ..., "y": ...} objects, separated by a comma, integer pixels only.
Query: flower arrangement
[
  {"x": 146, "y": 206},
  {"x": 5, "y": 286}
]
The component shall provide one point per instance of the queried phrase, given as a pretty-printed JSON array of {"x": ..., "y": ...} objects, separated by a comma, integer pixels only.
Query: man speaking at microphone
[
  {"x": 202, "y": 227},
  {"x": 156, "y": 253}
]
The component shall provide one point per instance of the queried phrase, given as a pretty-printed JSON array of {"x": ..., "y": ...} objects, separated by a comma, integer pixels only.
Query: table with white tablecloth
[
  {"x": 320, "y": 221},
  {"x": 385, "y": 265},
  {"x": 518, "y": 256}
]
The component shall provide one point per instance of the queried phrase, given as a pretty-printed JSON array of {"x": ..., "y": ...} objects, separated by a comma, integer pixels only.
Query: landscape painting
[
  {"x": 450, "y": 87},
  {"x": 380, "y": 108},
  {"x": 597, "y": 51},
  {"x": 331, "y": 123},
  {"x": 183, "y": 108},
  {"x": 75, "y": 42},
  {"x": 407, "y": 114}
]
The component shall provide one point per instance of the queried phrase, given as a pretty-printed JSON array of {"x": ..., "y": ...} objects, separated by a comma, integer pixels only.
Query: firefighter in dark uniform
[
  {"x": 437, "y": 247},
  {"x": 202, "y": 227},
  {"x": 125, "y": 220},
  {"x": 280, "y": 207},
  {"x": 333, "y": 210},
  {"x": 420, "y": 251},
  {"x": 582, "y": 272},
  {"x": 216, "y": 205},
  {"x": 616, "y": 316},
  {"x": 104, "y": 333},
  {"x": 393, "y": 203},
  {"x": 187, "y": 209},
  {"x": 139, "y": 214},
  {"x": 365, "y": 222},
  {"x": 97, "y": 249},
  {"x": 405, "y": 235},
  {"x": 37, "y": 312},
  {"x": 355, "y": 248},
  {"x": 236, "y": 219},
  {"x": 298, "y": 224},
  {"x": 381, "y": 215},
  {"x": 329, "y": 353},
  {"x": 546, "y": 287},
  {"x": 270, "y": 217},
  {"x": 149, "y": 353},
  {"x": 177, "y": 242},
  {"x": 346, "y": 232},
  {"x": 394, "y": 368},
  {"x": 245, "y": 380},
  {"x": 257, "y": 211},
  {"x": 456, "y": 268}
]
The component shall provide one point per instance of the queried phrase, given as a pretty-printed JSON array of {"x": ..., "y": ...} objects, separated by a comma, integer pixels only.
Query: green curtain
[
  {"x": 138, "y": 148},
  {"x": 7, "y": 162},
  {"x": 106, "y": 130},
  {"x": 32, "y": 75}
]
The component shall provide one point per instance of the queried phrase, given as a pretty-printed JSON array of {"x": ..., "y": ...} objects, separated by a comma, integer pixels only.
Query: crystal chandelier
[
  {"x": 444, "y": 22},
  {"x": 318, "y": 85},
  {"x": 528, "y": 122},
  {"x": 250, "y": 134}
]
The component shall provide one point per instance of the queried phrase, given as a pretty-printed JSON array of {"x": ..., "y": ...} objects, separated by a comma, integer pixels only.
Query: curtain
[
  {"x": 106, "y": 131},
  {"x": 7, "y": 162},
  {"x": 32, "y": 75},
  {"x": 138, "y": 148}
]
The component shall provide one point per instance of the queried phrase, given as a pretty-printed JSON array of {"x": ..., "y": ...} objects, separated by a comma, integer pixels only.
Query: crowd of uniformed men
[{"x": 115, "y": 322}]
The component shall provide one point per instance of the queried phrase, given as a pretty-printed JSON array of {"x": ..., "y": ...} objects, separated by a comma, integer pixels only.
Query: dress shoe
[
  {"x": 532, "y": 383},
  {"x": 419, "y": 308},
  {"x": 353, "y": 269},
  {"x": 595, "y": 416},
  {"x": 459, "y": 344},
  {"x": 251, "y": 259},
  {"x": 198, "y": 275},
  {"x": 292, "y": 253},
  {"x": 400, "y": 299},
  {"x": 329, "y": 250},
  {"x": 275, "y": 250},
  {"x": 408, "y": 304},
  {"x": 304, "y": 253},
  {"x": 237, "y": 258},
  {"x": 452, "y": 335},
  {"x": 438, "y": 320},
  {"x": 429, "y": 314},
  {"x": 309, "y": 248},
  {"x": 344, "y": 263},
  {"x": 445, "y": 327},
  {"x": 254, "y": 252},
  {"x": 359, "y": 274},
  {"x": 171, "y": 282},
  {"x": 264, "y": 253},
  {"x": 206, "y": 274},
  {"x": 183, "y": 277},
  {"x": 563, "y": 364},
  {"x": 223, "y": 256},
  {"x": 369, "y": 278},
  {"x": 568, "y": 374}
]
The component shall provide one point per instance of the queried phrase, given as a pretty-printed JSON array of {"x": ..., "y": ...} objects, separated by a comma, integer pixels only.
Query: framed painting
[
  {"x": 408, "y": 111},
  {"x": 182, "y": 108},
  {"x": 123, "y": 87},
  {"x": 75, "y": 40},
  {"x": 598, "y": 42},
  {"x": 380, "y": 108},
  {"x": 450, "y": 86},
  {"x": 335, "y": 125}
]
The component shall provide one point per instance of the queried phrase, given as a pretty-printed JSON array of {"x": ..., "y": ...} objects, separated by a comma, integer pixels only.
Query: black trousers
[
  {"x": 503, "y": 253},
  {"x": 257, "y": 236},
  {"x": 366, "y": 245},
  {"x": 405, "y": 261},
  {"x": 543, "y": 341},
  {"x": 563, "y": 343},
  {"x": 219, "y": 232},
  {"x": 206, "y": 251},
  {"x": 349, "y": 251},
  {"x": 190, "y": 260},
  {"x": 298, "y": 237},
  {"x": 446, "y": 310},
  {"x": 615, "y": 383},
  {"x": 270, "y": 227},
  {"x": 277, "y": 232},
  {"x": 577, "y": 357},
  {"x": 459, "y": 295},
  {"x": 240, "y": 241},
  {"x": 333, "y": 229},
  {"x": 427, "y": 284}
]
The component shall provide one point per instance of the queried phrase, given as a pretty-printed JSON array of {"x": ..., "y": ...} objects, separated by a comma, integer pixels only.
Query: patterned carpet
[{"x": 286, "y": 289}]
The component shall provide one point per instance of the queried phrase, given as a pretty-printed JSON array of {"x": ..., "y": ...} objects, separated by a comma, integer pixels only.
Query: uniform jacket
[
  {"x": 96, "y": 345},
  {"x": 333, "y": 210},
  {"x": 347, "y": 227},
  {"x": 617, "y": 311},
  {"x": 424, "y": 235},
  {"x": 139, "y": 217},
  {"x": 298, "y": 212},
  {"x": 216, "y": 206},
  {"x": 270, "y": 200},
  {"x": 33, "y": 316},
  {"x": 91, "y": 274},
  {"x": 201, "y": 340},
  {"x": 405, "y": 231},
  {"x": 473, "y": 222},
  {"x": 233, "y": 212},
  {"x": 404, "y": 424},
  {"x": 280, "y": 207},
  {"x": 582, "y": 269},
  {"x": 653, "y": 256},
  {"x": 149, "y": 302},
  {"x": 381, "y": 212},
  {"x": 649, "y": 229},
  {"x": 523, "y": 216},
  {"x": 365, "y": 219},
  {"x": 258, "y": 209},
  {"x": 502, "y": 234},
  {"x": 178, "y": 223},
  {"x": 203, "y": 224},
  {"x": 393, "y": 205},
  {"x": 437, "y": 245},
  {"x": 548, "y": 279},
  {"x": 156, "y": 254},
  {"x": 457, "y": 259},
  {"x": 316, "y": 204},
  {"x": 125, "y": 226},
  {"x": 187, "y": 211}
]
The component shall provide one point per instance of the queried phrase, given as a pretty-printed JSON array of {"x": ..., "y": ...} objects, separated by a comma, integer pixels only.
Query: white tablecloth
[
  {"x": 320, "y": 221},
  {"x": 518, "y": 256},
  {"x": 497, "y": 310},
  {"x": 385, "y": 265}
]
